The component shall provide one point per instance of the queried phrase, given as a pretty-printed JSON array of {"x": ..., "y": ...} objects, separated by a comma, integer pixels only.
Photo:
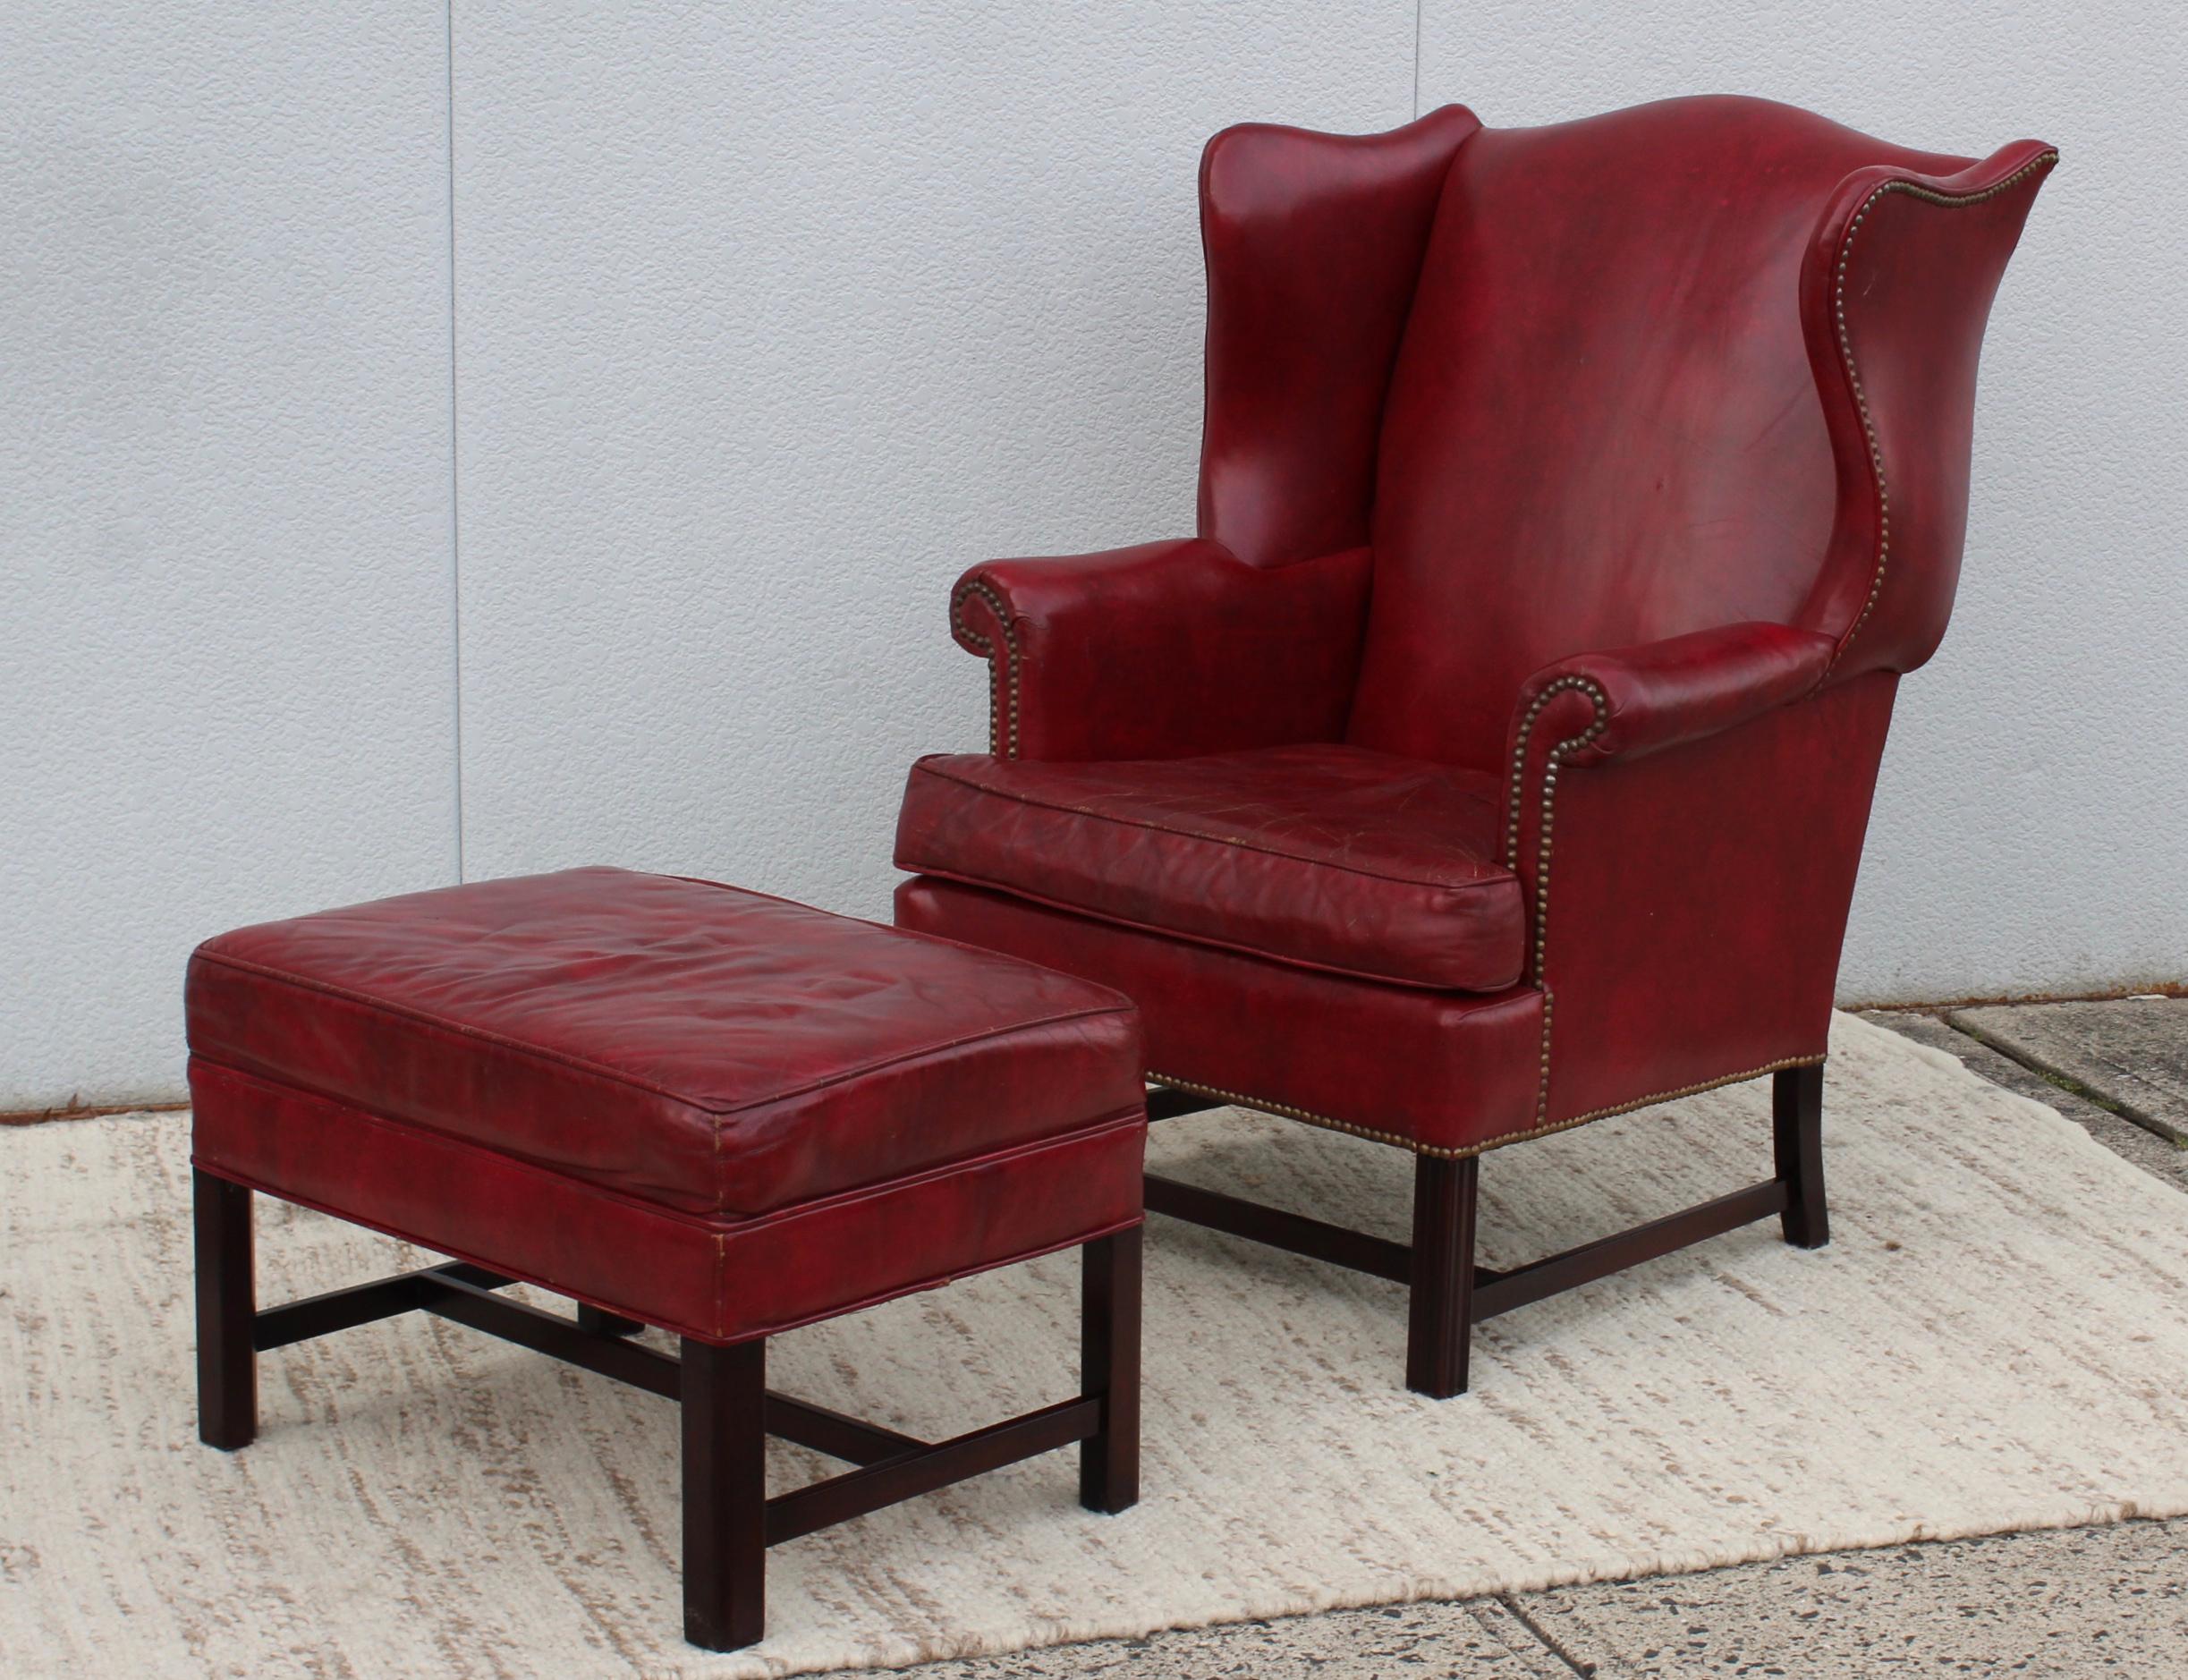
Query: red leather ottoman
[{"x": 680, "y": 1104}]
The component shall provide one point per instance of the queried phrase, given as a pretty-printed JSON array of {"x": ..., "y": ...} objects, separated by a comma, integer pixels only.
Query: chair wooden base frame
[{"x": 1449, "y": 1293}]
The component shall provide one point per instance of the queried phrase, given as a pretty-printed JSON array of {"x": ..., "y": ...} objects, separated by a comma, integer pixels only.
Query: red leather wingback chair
[{"x": 1591, "y": 484}]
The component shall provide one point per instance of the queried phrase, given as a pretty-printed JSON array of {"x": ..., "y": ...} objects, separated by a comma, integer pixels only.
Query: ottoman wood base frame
[
  {"x": 1449, "y": 1293},
  {"x": 728, "y": 1411}
]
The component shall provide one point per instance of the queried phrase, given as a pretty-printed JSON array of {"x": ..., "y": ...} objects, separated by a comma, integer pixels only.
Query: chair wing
[
  {"x": 1896, "y": 293},
  {"x": 1313, "y": 244},
  {"x": 1604, "y": 426}
]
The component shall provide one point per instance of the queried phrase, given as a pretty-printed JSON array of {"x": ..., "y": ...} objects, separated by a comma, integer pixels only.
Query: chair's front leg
[
  {"x": 725, "y": 1397},
  {"x": 1440, "y": 1323},
  {"x": 1796, "y": 1117},
  {"x": 227, "y": 1365},
  {"x": 1109, "y": 1370}
]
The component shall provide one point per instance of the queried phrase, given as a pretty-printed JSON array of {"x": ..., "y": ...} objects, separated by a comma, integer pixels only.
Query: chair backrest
[{"x": 1603, "y": 426}]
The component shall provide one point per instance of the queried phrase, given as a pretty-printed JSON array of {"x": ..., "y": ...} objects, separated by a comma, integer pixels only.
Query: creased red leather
[
  {"x": 1603, "y": 430},
  {"x": 1328, "y": 855},
  {"x": 720, "y": 1278},
  {"x": 1674, "y": 443},
  {"x": 1163, "y": 651},
  {"x": 1313, "y": 244},
  {"x": 696, "y": 1046},
  {"x": 1641, "y": 700},
  {"x": 1437, "y": 1069}
]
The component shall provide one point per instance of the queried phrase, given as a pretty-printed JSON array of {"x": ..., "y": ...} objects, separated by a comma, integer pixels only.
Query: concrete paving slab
[
  {"x": 2145, "y": 1148},
  {"x": 2132, "y": 1051},
  {"x": 2069, "y": 1603},
  {"x": 1408, "y": 1642}
]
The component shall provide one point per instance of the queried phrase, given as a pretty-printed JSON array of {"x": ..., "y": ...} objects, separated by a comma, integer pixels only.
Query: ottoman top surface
[{"x": 697, "y": 1045}]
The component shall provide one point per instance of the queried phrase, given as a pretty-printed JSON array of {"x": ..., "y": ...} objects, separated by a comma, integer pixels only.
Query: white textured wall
[
  {"x": 766, "y": 321},
  {"x": 224, "y": 636},
  {"x": 770, "y": 321},
  {"x": 2031, "y": 832}
]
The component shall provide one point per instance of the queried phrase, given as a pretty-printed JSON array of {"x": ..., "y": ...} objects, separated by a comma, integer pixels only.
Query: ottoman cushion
[
  {"x": 694, "y": 1046},
  {"x": 709, "y": 1110}
]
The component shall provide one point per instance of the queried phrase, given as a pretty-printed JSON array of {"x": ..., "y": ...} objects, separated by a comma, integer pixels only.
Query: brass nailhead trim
[
  {"x": 1414, "y": 1147},
  {"x": 1290, "y": 1113},
  {"x": 1648, "y": 1101},
  {"x": 1557, "y": 756},
  {"x": 1003, "y": 691},
  {"x": 1853, "y": 378}
]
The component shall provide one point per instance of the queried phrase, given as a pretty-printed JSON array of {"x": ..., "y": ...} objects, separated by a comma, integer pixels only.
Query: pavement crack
[
  {"x": 2050, "y": 1075},
  {"x": 1511, "y": 1603}
]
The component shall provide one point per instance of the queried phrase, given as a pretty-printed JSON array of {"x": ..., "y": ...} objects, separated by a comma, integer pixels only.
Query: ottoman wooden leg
[
  {"x": 724, "y": 1395},
  {"x": 227, "y": 1368},
  {"x": 1109, "y": 1370}
]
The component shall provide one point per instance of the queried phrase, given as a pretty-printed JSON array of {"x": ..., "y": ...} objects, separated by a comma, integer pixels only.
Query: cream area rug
[{"x": 1987, "y": 1345}]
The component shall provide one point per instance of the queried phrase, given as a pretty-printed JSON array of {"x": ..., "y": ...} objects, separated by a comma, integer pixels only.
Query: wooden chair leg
[
  {"x": 600, "y": 1323},
  {"x": 724, "y": 1396},
  {"x": 1440, "y": 1324},
  {"x": 227, "y": 1365},
  {"x": 1109, "y": 1368},
  {"x": 1796, "y": 1102}
]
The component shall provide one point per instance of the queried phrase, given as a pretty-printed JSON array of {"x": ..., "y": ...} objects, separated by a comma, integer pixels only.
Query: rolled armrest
[
  {"x": 1628, "y": 702},
  {"x": 1167, "y": 650},
  {"x": 1691, "y": 934}
]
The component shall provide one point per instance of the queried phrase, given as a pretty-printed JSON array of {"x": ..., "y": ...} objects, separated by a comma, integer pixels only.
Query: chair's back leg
[
  {"x": 1796, "y": 1103},
  {"x": 1440, "y": 1324},
  {"x": 227, "y": 1302}
]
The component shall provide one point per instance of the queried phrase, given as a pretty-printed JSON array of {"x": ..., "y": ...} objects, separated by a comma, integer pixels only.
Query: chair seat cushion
[
  {"x": 691, "y": 1046},
  {"x": 1332, "y": 857}
]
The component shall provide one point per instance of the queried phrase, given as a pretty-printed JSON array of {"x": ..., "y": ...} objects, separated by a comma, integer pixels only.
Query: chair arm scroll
[
  {"x": 1626, "y": 703},
  {"x": 1641, "y": 700},
  {"x": 1166, "y": 649}
]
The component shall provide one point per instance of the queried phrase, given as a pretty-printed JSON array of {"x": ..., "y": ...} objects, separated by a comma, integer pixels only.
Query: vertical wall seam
[
  {"x": 1417, "y": 5},
  {"x": 455, "y": 562}
]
